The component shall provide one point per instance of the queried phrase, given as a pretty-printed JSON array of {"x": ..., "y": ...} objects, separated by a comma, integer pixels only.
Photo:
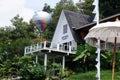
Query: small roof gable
[{"x": 76, "y": 20}]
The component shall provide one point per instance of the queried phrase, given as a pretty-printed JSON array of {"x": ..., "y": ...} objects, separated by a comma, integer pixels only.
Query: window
[{"x": 64, "y": 28}]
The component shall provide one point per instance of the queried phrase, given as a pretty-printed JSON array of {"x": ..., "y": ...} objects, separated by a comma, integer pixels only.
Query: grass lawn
[{"x": 105, "y": 75}]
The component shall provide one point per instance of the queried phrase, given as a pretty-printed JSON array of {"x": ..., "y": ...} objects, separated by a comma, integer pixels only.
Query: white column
[
  {"x": 37, "y": 46},
  {"x": 36, "y": 58},
  {"x": 44, "y": 44},
  {"x": 25, "y": 51},
  {"x": 98, "y": 60},
  {"x": 58, "y": 47},
  {"x": 70, "y": 48},
  {"x": 63, "y": 63},
  {"x": 45, "y": 61},
  {"x": 31, "y": 48}
]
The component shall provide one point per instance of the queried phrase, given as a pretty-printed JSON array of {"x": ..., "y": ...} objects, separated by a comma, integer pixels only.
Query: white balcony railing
[{"x": 47, "y": 46}]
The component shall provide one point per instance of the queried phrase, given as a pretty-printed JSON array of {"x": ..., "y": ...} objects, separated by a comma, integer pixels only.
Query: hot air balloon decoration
[{"x": 40, "y": 20}]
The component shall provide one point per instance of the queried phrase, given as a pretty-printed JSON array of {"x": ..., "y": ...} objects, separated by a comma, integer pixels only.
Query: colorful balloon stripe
[{"x": 41, "y": 19}]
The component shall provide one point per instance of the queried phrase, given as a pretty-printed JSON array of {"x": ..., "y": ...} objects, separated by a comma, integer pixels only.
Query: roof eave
[{"x": 93, "y": 23}]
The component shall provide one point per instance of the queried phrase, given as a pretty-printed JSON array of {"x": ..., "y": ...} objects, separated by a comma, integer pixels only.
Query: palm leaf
[{"x": 81, "y": 55}]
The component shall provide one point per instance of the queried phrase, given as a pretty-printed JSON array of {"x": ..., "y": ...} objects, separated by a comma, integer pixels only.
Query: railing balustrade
[{"x": 46, "y": 46}]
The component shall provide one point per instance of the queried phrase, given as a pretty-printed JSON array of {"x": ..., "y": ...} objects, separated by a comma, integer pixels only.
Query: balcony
[{"x": 47, "y": 46}]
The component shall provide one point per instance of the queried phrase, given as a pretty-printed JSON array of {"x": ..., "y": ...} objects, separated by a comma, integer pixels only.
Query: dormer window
[{"x": 64, "y": 28}]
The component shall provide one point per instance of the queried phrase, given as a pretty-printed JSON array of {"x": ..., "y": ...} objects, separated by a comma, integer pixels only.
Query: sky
[{"x": 25, "y": 8}]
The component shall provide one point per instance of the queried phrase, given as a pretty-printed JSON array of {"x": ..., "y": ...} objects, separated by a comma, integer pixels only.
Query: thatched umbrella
[{"x": 108, "y": 31}]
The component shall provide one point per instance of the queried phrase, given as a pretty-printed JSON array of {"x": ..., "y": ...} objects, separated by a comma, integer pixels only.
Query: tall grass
[{"x": 105, "y": 75}]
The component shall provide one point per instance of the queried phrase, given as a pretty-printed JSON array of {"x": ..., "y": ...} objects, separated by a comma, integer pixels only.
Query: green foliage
[
  {"x": 35, "y": 72},
  {"x": 1, "y": 58},
  {"x": 109, "y": 7},
  {"x": 56, "y": 71},
  {"x": 84, "y": 51},
  {"x": 47, "y": 8},
  {"x": 106, "y": 60},
  {"x": 22, "y": 29},
  {"x": 14, "y": 39},
  {"x": 86, "y": 57},
  {"x": 106, "y": 7},
  {"x": 17, "y": 47},
  {"x": 86, "y": 7},
  {"x": 117, "y": 64},
  {"x": 23, "y": 67},
  {"x": 105, "y": 75},
  {"x": 4, "y": 68},
  {"x": 26, "y": 60}
]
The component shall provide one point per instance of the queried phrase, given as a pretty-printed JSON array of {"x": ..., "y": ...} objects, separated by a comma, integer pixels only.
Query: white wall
[{"x": 58, "y": 35}]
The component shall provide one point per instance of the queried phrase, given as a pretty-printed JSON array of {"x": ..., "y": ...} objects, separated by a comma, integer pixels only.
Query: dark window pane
[{"x": 64, "y": 28}]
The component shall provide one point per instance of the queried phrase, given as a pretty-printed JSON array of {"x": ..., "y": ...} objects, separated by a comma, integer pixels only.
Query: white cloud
[
  {"x": 9, "y": 9},
  {"x": 25, "y": 8}
]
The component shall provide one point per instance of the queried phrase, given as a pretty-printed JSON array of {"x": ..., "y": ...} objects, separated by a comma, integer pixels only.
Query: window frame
[{"x": 65, "y": 29}]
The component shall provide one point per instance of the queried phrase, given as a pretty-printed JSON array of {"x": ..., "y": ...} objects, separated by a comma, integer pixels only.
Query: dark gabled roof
[{"x": 76, "y": 20}]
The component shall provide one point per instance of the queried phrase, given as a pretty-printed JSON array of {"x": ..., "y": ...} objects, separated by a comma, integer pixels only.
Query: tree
[
  {"x": 47, "y": 8},
  {"x": 109, "y": 7},
  {"x": 14, "y": 38},
  {"x": 86, "y": 7},
  {"x": 5, "y": 34},
  {"x": 22, "y": 35},
  {"x": 22, "y": 29},
  {"x": 106, "y": 7}
]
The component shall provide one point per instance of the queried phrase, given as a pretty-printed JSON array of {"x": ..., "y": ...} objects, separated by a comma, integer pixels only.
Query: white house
[{"x": 66, "y": 36}]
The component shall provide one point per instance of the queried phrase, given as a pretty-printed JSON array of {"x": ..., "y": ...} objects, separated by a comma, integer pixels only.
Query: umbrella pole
[{"x": 114, "y": 58}]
